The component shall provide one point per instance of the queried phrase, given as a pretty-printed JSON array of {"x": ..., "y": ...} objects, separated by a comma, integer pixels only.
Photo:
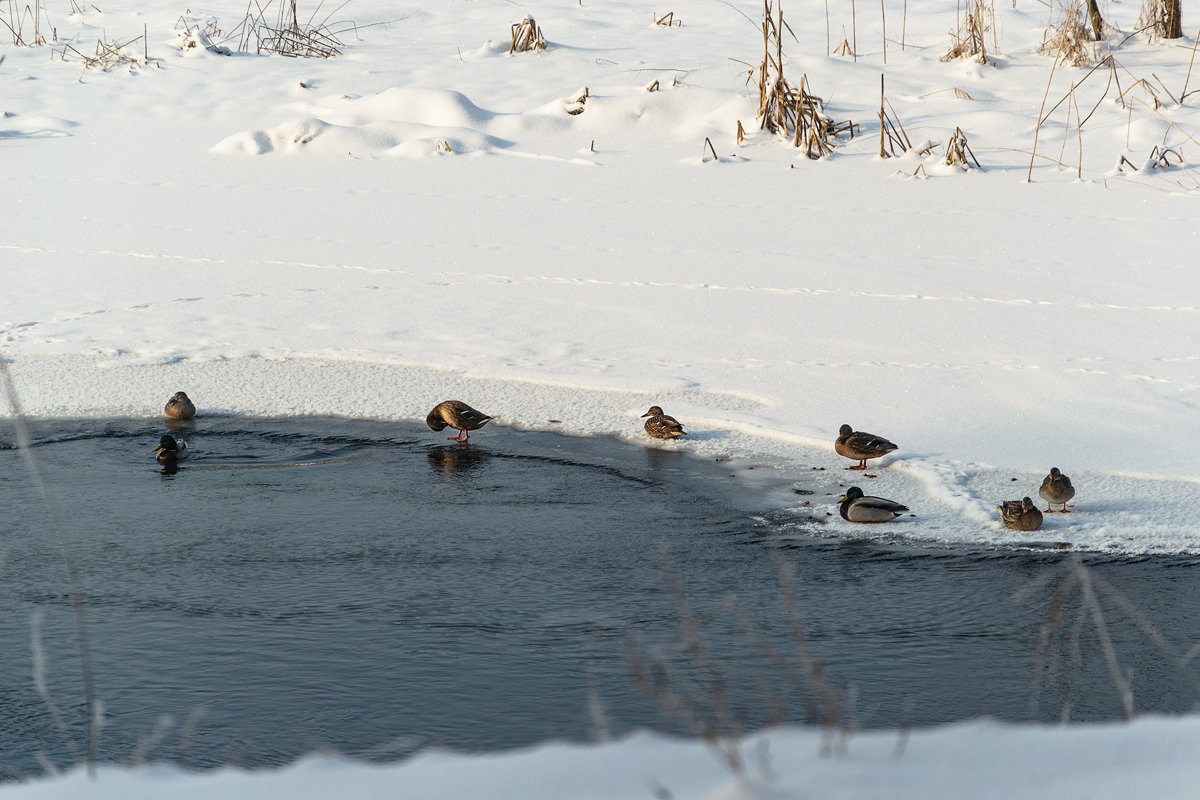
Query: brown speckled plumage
[
  {"x": 1056, "y": 489},
  {"x": 180, "y": 407},
  {"x": 458, "y": 415},
  {"x": 661, "y": 426},
  {"x": 1020, "y": 515},
  {"x": 859, "y": 446}
]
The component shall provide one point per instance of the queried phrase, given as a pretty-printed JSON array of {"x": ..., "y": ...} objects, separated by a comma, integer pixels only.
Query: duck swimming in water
[
  {"x": 180, "y": 407},
  {"x": 458, "y": 415},
  {"x": 859, "y": 446},
  {"x": 171, "y": 449},
  {"x": 662, "y": 426}
]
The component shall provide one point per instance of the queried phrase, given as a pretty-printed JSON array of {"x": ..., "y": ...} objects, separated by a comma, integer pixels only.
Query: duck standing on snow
[
  {"x": 180, "y": 407},
  {"x": 1056, "y": 488},
  {"x": 171, "y": 449},
  {"x": 859, "y": 446},
  {"x": 859, "y": 508},
  {"x": 457, "y": 415},
  {"x": 661, "y": 426},
  {"x": 1020, "y": 515}
]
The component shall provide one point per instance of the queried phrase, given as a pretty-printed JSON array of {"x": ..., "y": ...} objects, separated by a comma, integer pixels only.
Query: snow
[{"x": 421, "y": 218}]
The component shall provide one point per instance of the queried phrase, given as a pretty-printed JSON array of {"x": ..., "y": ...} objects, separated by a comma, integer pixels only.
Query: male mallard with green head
[
  {"x": 859, "y": 446},
  {"x": 1056, "y": 488},
  {"x": 1020, "y": 515},
  {"x": 661, "y": 426},
  {"x": 180, "y": 407},
  {"x": 457, "y": 415},
  {"x": 856, "y": 507},
  {"x": 171, "y": 449}
]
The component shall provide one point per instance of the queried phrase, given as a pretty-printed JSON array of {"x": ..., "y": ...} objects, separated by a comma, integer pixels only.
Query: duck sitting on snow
[
  {"x": 859, "y": 446},
  {"x": 171, "y": 449},
  {"x": 457, "y": 415},
  {"x": 1056, "y": 488},
  {"x": 1020, "y": 515},
  {"x": 662, "y": 426},
  {"x": 180, "y": 407},
  {"x": 859, "y": 508}
]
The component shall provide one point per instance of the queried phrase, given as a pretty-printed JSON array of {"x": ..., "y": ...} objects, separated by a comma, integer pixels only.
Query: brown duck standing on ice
[
  {"x": 457, "y": 415},
  {"x": 661, "y": 426},
  {"x": 180, "y": 407},
  {"x": 1056, "y": 489},
  {"x": 1020, "y": 515},
  {"x": 859, "y": 446}
]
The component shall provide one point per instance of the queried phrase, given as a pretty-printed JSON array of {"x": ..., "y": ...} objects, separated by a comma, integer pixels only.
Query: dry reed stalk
[
  {"x": 958, "y": 152},
  {"x": 527, "y": 35},
  {"x": 883, "y": 18},
  {"x": 959, "y": 93},
  {"x": 891, "y": 133},
  {"x": 1068, "y": 42},
  {"x": 783, "y": 108},
  {"x": 58, "y": 518},
  {"x": 969, "y": 39},
  {"x": 1041, "y": 118},
  {"x": 854, "y": 30},
  {"x": 708, "y": 148},
  {"x": 668, "y": 20},
  {"x": 1183, "y": 95}
]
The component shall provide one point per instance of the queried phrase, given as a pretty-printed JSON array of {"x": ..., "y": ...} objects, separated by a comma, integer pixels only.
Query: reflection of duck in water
[
  {"x": 180, "y": 407},
  {"x": 449, "y": 461},
  {"x": 171, "y": 449},
  {"x": 458, "y": 415}
]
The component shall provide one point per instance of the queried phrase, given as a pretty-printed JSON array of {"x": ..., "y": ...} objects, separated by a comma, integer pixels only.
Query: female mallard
[
  {"x": 457, "y": 415},
  {"x": 1020, "y": 515},
  {"x": 661, "y": 426},
  {"x": 171, "y": 449},
  {"x": 180, "y": 407},
  {"x": 858, "y": 508},
  {"x": 1056, "y": 488},
  {"x": 859, "y": 446}
]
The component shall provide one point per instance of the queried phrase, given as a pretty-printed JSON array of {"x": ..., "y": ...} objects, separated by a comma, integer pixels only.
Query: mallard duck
[
  {"x": 457, "y": 415},
  {"x": 171, "y": 449},
  {"x": 859, "y": 446},
  {"x": 661, "y": 426},
  {"x": 859, "y": 508},
  {"x": 1056, "y": 488},
  {"x": 1020, "y": 515},
  {"x": 180, "y": 407}
]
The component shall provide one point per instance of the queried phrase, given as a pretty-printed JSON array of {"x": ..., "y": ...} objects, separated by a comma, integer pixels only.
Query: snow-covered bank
[
  {"x": 422, "y": 218},
  {"x": 1150, "y": 758}
]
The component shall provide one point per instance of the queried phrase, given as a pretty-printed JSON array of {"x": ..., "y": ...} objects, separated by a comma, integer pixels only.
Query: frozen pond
[{"x": 376, "y": 589}]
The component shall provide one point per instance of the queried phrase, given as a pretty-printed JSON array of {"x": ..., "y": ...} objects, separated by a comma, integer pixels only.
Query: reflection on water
[
  {"x": 451, "y": 460},
  {"x": 371, "y": 588}
]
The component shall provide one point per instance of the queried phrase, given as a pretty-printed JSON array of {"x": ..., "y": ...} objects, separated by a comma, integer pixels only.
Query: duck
[
  {"x": 1020, "y": 515},
  {"x": 458, "y": 415},
  {"x": 1056, "y": 488},
  {"x": 662, "y": 426},
  {"x": 180, "y": 407},
  {"x": 859, "y": 446},
  {"x": 171, "y": 449},
  {"x": 859, "y": 508}
]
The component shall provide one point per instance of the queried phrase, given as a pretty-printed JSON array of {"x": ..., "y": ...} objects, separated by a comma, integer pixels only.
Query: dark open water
[{"x": 375, "y": 589}]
